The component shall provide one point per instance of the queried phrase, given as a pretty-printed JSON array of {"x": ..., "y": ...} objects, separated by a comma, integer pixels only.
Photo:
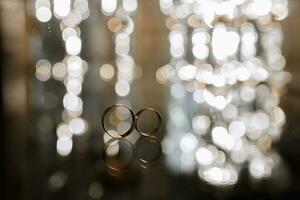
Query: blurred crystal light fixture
[
  {"x": 226, "y": 64},
  {"x": 71, "y": 70},
  {"x": 122, "y": 25}
]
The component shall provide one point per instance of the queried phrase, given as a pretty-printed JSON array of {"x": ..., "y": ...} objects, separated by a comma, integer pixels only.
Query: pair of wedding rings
[{"x": 134, "y": 121}]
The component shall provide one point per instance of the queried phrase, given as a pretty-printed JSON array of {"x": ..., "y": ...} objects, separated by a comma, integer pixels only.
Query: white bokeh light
[{"x": 43, "y": 14}]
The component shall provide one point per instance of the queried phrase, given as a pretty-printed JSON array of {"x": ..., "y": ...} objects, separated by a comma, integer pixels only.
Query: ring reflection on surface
[
  {"x": 118, "y": 155},
  {"x": 147, "y": 151}
]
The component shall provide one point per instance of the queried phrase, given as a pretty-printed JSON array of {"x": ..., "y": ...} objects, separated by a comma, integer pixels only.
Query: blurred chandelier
[
  {"x": 226, "y": 65},
  {"x": 72, "y": 68},
  {"x": 122, "y": 25}
]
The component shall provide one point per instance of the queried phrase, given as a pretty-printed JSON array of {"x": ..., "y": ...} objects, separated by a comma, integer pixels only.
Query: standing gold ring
[
  {"x": 158, "y": 125},
  {"x": 132, "y": 118}
]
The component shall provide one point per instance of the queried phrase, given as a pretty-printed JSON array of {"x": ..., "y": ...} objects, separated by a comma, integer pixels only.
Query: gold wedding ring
[
  {"x": 148, "y": 133},
  {"x": 119, "y": 136}
]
